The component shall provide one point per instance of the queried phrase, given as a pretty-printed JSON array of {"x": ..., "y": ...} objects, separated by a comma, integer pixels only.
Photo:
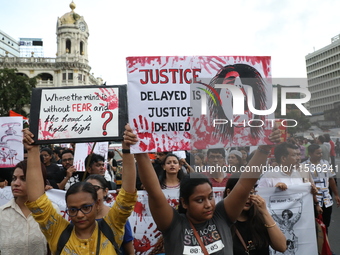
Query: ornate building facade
[{"x": 70, "y": 67}]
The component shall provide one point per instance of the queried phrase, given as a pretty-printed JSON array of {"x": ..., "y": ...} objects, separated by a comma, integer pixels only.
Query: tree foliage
[
  {"x": 15, "y": 91},
  {"x": 292, "y": 112}
]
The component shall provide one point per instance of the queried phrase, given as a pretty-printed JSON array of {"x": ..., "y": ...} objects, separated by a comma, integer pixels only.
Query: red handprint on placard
[
  {"x": 145, "y": 133},
  {"x": 109, "y": 96},
  {"x": 44, "y": 130},
  {"x": 203, "y": 133},
  {"x": 149, "y": 140},
  {"x": 174, "y": 141}
]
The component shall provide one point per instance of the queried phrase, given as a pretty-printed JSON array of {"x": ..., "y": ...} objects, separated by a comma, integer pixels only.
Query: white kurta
[{"x": 18, "y": 234}]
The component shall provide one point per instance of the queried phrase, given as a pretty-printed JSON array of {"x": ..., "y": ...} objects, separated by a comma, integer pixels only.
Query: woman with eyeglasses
[
  {"x": 102, "y": 187},
  {"x": 87, "y": 236}
]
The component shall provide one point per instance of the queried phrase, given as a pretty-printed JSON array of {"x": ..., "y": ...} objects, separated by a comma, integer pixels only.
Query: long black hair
[
  {"x": 255, "y": 222},
  {"x": 104, "y": 184},
  {"x": 249, "y": 76},
  {"x": 162, "y": 177}
]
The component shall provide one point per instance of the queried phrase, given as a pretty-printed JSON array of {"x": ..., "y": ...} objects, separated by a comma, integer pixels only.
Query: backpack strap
[
  {"x": 65, "y": 235},
  {"x": 102, "y": 226},
  {"x": 107, "y": 231}
]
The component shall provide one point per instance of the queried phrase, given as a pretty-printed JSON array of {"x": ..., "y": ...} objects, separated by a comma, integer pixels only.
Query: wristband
[{"x": 126, "y": 151}]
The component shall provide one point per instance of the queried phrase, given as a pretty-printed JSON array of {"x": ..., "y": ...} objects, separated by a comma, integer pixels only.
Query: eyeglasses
[
  {"x": 96, "y": 187},
  {"x": 85, "y": 209},
  {"x": 215, "y": 157},
  {"x": 67, "y": 159}
]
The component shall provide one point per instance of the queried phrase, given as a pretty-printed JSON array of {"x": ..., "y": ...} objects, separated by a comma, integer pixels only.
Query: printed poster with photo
[
  {"x": 293, "y": 212},
  {"x": 11, "y": 146},
  {"x": 78, "y": 114},
  {"x": 198, "y": 102}
]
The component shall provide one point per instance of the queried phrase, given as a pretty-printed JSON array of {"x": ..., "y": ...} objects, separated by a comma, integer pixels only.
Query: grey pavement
[{"x": 334, "y": 228}]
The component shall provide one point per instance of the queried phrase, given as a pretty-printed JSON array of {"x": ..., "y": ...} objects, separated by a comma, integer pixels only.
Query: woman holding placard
[
  {"x": 197, "y": 209},
  {"x": 85, "y": 235}
]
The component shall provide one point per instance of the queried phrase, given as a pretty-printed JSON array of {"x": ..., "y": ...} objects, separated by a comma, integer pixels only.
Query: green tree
[
  {"x": 15, "y": 91},
  {"x": 303, "y": 122},
  {"x": 292, "y": 112},
  {"x": 333, "y": 114}
]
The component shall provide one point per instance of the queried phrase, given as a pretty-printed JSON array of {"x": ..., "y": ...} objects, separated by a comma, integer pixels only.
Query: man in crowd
[
  {"x": 322, "y": 175},
  {"x": 70, "y": 174},
  {"x": 216, "y": 167},
  {"x": 95, "y": 164},
  {"x": 286, "y": 155}
]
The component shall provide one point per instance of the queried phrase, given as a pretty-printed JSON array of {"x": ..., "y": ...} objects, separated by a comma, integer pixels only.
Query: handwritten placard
[{"x": 78, "y": 114}]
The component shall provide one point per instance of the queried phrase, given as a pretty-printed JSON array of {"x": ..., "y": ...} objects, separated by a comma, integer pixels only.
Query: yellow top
[{"x": 52, "y": 224}]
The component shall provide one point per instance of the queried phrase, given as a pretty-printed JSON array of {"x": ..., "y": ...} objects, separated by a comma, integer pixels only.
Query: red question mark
[{"x": 106, "y": 121}]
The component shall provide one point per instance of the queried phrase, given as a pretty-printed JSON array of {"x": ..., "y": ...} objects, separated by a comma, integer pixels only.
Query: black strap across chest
[{"x": 102, "y": 226}]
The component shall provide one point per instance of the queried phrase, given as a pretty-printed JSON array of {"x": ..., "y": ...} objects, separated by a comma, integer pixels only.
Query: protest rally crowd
[{"x": 240, "y": 223}]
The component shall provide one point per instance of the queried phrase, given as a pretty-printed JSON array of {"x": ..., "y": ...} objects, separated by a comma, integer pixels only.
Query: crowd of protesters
[{"x": 241, "y": 216}]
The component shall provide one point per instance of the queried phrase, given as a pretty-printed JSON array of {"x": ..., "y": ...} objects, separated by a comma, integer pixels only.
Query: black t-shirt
[
  {"x": 114, "y": 163},
  {"x": 245, "y": 232},
  {"x": 54, "y": 175}
]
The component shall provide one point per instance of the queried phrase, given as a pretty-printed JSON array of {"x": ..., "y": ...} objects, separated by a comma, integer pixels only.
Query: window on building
[
  {"x": 82, "y": 48},
  {"x": 70, "y": 76},
  {"x": 68, "y": 46}
]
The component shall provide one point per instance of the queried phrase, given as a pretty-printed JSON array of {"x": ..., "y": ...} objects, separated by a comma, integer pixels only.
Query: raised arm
[
  {"x": 129, "y": 174},
  {"x": 277, "y": 238},
  {"x": 187, "y": 167},
  {"x": 237, "y": 198},
  {"x": 34, "y": 179},
  {"x": 161, "y": 211}
]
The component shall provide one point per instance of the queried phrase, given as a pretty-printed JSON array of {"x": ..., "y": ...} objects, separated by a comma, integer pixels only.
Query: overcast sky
[{"x": 286, "y": 30}]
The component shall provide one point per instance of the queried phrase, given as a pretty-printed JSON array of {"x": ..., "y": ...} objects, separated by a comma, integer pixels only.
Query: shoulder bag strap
[
  {"x": 98, "y": 242},
  {"x": 107, "y": 231},
  {"x": 205, "y": 252},
  {"x": 65, "y": 235},
  {"x": 242, "y": 241}
]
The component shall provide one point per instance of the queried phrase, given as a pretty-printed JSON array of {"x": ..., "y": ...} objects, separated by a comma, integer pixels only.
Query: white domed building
[{"x": 70, "y": 67}]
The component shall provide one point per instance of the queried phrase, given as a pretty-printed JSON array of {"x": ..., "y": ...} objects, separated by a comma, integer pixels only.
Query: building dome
[{"x": 70, "y": 17}]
